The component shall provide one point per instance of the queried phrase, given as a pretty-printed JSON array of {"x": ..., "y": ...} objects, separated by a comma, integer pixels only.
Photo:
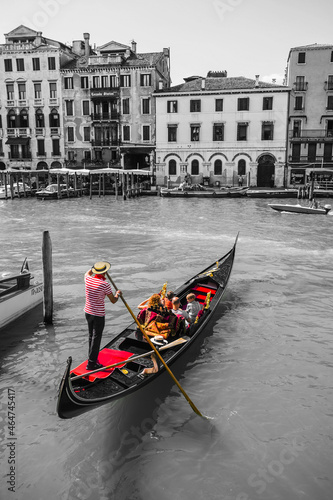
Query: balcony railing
[
  {"x": 328, "y": 85},
  {"x": 19, "y": 157},
  {"x": 114, "y": 115},
  {"x": 55, "y": 131},
  {"x": 24, "y": 132},
  {"x": 22, "y": 103},
  {"x": 301, "y": 86},
  {"x": 310, "y": 134},
  {"x": 11, "y": 132},
  {"x": 40, "y": 131},
  {"x": 53, "y": 101},
  {"x": 104, "y": 143},
  {"x": 10, "y": 103},
  {"x": 39, "y": 102}
]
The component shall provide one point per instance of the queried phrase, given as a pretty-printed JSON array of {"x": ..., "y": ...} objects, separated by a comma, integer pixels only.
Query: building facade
[
  {"x": 75, "y": 106},
  {"x": 31, "y": 110},
  {"x": 310, "y": 136},
  {"x": 216, "y": 129},
  {"x": 109, "y": 114}
]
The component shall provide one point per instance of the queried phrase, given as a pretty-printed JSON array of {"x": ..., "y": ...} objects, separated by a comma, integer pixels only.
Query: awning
[
  {"x": 18, "y": 140},
  {"x": 319, "y": 171}
]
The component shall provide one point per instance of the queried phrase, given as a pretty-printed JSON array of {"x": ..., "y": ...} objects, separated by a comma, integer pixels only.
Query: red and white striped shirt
[{"x": 96, "y": 290}]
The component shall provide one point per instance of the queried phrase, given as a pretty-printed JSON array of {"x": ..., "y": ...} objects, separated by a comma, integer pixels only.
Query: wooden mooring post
[{"x": 47, "y": 278}]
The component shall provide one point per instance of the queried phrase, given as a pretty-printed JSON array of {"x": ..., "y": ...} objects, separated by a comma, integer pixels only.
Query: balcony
[
  {"x": 24, "y": 132},
  {"x": 10, "y": 103},
  {"x": 40, "y": 131},
  {"x": 114, "y": 115},
  {"x": 328, "y": 85},
  {"x": 104, "y": 143},
  {"x": 53, "y": 101},
  {"x": 314, "y": 134},
  {"x": 55, "y": 131},
  {"x": 22, "y": 103},
  {"x": 38, "y": 102},
  {"x": 11, "y": 132},
  {"x": 19, "y": 157},
  {"x": 300, "y": 86}
]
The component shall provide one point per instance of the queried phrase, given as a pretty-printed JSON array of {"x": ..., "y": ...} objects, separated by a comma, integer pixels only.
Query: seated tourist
[
  {"x": 157, "y": 320},
  {"x": 193, "y": 306},
  {"x": 167, "y": 301},
  {"x": 176, "y": 309}
]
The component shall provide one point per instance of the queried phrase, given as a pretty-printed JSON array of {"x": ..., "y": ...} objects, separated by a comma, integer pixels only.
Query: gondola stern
[{"x": 64, "y": 401}]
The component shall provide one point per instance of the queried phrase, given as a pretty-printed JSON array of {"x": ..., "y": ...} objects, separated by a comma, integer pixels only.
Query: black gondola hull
[{"x": 75, "y": 398}]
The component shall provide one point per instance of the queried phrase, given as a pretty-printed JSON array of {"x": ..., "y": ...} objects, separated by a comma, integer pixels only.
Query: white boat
[
  {"x": 18, "y": 190},
  {"x": 18, "y": 295},
  {"x": 51, "y": 192},
  {"x": 300, "y": 209}
]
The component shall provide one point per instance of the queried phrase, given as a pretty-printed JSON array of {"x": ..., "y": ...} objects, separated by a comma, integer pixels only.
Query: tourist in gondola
[
  {"x": 193, "y": 306},
  {"x": 97, "y": 288}
]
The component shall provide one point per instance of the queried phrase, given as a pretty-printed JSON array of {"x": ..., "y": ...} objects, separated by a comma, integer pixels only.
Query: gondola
[{"x": 79, "y": 393}]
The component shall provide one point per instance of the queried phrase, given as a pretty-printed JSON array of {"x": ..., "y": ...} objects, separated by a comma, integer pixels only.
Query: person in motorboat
[{"x": 97, "y": 288}]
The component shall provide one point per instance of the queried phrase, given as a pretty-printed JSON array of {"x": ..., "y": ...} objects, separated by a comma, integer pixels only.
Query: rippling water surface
[{"x": 262, "y": 372}]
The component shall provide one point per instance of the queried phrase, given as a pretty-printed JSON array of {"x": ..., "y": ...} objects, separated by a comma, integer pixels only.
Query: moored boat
[
  {"x": 199, "y": 191},
  {"x": 300, "y": 209},
  {"x": 55, "y": 191},
  {"x": 272, "y": 193},
  {"x": 18, "y": 295},
  {"x": 80, "y": 391}
]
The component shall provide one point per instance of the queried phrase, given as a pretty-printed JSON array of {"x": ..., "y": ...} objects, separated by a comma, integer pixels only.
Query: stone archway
[{"x": 266, "y": 171}]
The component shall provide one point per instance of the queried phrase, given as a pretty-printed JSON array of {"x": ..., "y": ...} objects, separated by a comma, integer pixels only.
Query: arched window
[
  {"x": 241, "y": 167},
  {"x": 24, "y": 118},
  {"x": 54, "y": 118},
  {"x": 218, "y": 167},
  {"x": 172, "y": 167},
  {"x": 195, "y": 167},
  {"x": 40, "y": 122},
  {"x": 11, "y": 119}
]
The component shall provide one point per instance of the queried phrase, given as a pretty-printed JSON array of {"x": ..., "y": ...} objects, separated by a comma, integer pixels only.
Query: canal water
[{"x": 262, "y": 372}]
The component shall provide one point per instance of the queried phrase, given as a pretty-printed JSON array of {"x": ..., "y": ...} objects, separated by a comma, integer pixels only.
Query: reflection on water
[{"x": 262, "y": 370}]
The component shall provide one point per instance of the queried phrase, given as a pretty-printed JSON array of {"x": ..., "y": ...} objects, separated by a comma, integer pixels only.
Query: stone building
[
  {"x": 77, "y": 106},
  {"x": 217, "y": 128},
  {"x": 109, "y": 114},
  {"x": 31, "y": 111},
  {"x": 310, "y": 76}
]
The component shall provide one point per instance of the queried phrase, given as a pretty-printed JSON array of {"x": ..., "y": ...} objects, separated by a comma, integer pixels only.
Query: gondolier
[{"x": 97, "y": 288}]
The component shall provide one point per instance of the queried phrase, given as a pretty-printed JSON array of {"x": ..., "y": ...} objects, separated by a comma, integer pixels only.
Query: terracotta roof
[{"x": 220, "y": 83}]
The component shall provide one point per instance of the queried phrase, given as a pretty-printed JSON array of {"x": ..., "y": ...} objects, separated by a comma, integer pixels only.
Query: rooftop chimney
[
  {"x": 86, "y": 37},
  {"x": 257, "y": 81},
  {"x": 203, "y": 84},
  {"x": 134, "y": 46}
]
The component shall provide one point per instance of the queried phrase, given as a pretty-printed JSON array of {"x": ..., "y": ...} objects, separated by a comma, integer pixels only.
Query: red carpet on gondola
[{"x": 106, "y": 357}]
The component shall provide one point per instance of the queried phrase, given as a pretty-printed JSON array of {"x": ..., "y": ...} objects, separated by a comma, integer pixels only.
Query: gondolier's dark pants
[{"x": 95, "y": 327}]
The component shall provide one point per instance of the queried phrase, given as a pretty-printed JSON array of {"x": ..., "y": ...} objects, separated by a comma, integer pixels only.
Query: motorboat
[
  {"x": 301, "y": 209},
  {"x": 18, "y": 294}
]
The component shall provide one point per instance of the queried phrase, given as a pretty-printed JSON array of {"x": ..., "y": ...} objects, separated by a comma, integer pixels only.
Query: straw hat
[{"x": 100, "y": 267}]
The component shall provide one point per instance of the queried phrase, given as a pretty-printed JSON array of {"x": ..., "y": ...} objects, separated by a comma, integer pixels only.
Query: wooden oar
[
  {"x": 194, "y": 408},
  {"x": 182, "y": 340}
]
